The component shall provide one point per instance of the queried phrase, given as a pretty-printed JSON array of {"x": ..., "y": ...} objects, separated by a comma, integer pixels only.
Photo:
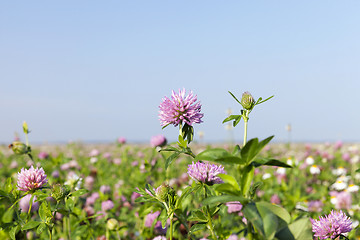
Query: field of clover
[{"x": 182, "y": 190}]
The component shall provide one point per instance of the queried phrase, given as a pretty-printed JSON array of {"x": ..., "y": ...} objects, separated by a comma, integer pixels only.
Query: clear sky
[{"x": 97, "y": 70}]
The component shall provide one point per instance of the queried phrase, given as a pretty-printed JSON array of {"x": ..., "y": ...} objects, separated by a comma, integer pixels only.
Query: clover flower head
[
  {"x": 332, "y": 225},
  {"x": 31, "y": 179},
  {"x": 205, "y": 172},
  {"x": 180, "y": 109},
  {"x": 158, "y": 141}
]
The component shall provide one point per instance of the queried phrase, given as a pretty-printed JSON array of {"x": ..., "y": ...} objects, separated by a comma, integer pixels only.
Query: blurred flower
[
  {"x": 13, "y": 164},
  {"x": 315, "y": 206},
  {"x": 121, "y": 140},
  {"x": 341, "y": 200},
  {"x": 339, "y": 185},
  {"x": 314, "y": 170},
  {"x": 101, "y": 214},
  {"x": 107, "y": 205},
  {"x": 352, "y": 188},
  {"x": 105, "y": 189},
  {"x": 117, "y": 161},
  {"x": 232, "y": 237},
  {"x": 309, "y": 160},
  {"x": 112, "y": 224},
  {"x": 55, "y": 174},
  {"x": 89, "y": 182},
  {"x": 180, "y": 109},
  {"x": 65, "y": 166},
  {"x": 43, "y": 155},
  {"x": 355, "y": 159},
  {"x": 91, "y": 200},
  {"x": 275, "y": 199},
  {"x": 346, "y": 157},
  {"x": 280, "y": 174},
  {"x": 332, "y": 225},
  {"x": 31, "y": 179},
  {"x": 24, "y": 204},
  {"x": 158, "y": 141},
  {"x": 234, "y": 207},
  {"x": 74, "y": 181},
  {"x": 134, "y": 196},
  {"x": 339, "y": 171},
  {"x": 135, "y": 163},
  {"x": 93, "y": 160},
  {"x": 159, "y": 238},
  {"x": 338, "y": 145},
  {"x": 107, "y": 155},
  {"x": 150, "y": 218},
  {"x": 205, "y": 172},
  {"x": 94, "y": 153}
]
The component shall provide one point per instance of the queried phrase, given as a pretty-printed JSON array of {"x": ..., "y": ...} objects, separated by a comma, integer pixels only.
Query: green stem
[
  {"x": 27, "y": 139},
  {"x": 171, "y": 226},
  {"x": 107, "y": 234},
  {"x": 246, "y": 118},
  {"x": 210, "y": 225},
  {"x": 30, "y": 206},
  {"x": 50, "y": 233},
  {"x": 249, "y": 228},
  {"x": 180, "y": 130},
  {"x": 68, "y": 226}
]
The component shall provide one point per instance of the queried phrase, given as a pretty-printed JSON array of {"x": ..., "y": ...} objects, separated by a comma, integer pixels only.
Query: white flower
[
  {"x": 74, "y": 181},
  {"x": 339, "y": 185},
  {"x": 314, "y": 170},
  {"x": 344, "y": 178},
  {"x": 352, "y": 188},
  {"x": 333, "y": 200},
  {"x": 300, "y": 206},
  {"x": 355, "y": 159},
  {"x": 289, "y": 162},
  {"x": 281, "y": 171},
  {"x": 266, "y": 176},
  {"x": 309, "y": 160},
  {"x": 339, "y": 171},
  {"x": 93, "y": 160},
  {"x": 355, "y": 224}
]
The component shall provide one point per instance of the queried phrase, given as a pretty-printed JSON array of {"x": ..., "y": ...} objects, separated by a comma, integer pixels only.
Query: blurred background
[{"x": 94, "y": 71}]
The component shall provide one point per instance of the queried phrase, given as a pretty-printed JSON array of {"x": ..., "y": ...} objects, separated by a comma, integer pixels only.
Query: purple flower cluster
[
  {"x": 180, "y": 109},
  {"x": 31, "y": 179},
  {"x": 332, "y": 225},
  {"x": 205, "y": 172}
]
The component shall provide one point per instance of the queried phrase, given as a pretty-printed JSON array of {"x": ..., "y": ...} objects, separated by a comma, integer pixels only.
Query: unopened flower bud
[
  {"x": 247, "y": 101},
  {"x": 164, "y": 192},
  {"x": 19, "y": 148},
  {"x": 59, "y": 192},
  {"x": 25, "y": 128},
  {"x": 112, "y": 224}
]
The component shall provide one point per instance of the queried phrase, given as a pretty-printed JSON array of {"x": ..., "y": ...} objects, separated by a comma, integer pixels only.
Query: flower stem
[
  {"x": 171, "y": 226},
  {"x": 249, "y": 228},
  {"x": 209, "y": 223},
  {"x": 30, "y": 206},
  {"x": 50, "y": 234},
  {"x": 180, "y": 130},
  {"x": 246, "y": 118}
]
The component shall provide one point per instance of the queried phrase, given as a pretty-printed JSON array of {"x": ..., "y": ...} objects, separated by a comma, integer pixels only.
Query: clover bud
[
  {"x": 247, "y": 101},
  {"x": 164, "y": 192},
  {"x": 25, "y": 128},
  {"x": 112, "y": 224},
  {"x": 59, "y": 192},
  {"x": 19, "y": 148}
]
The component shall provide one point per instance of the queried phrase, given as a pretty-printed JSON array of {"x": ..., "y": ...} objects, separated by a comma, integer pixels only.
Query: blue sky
[{"x": 97, "y": 70}]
